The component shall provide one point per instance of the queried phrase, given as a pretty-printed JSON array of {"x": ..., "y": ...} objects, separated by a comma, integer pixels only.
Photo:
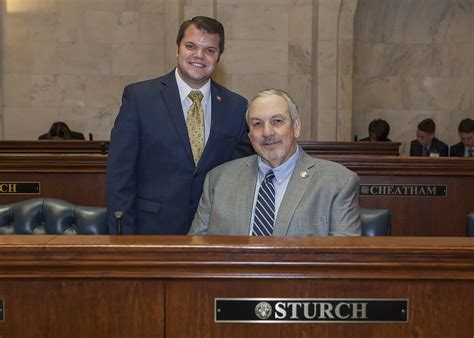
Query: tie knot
[
  {"x": 196, "y": 96},
  {"x": 269, "y": 176}
]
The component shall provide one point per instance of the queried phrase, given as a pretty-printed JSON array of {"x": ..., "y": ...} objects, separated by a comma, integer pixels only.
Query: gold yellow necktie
[{"x": 195, "y": 124}]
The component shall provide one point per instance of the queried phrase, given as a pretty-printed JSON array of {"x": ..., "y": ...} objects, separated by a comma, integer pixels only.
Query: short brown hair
[
  {"x": 466, "y": 126},
  {"x": 209, "y": 25},
  {"x": 427, "y": 125}
]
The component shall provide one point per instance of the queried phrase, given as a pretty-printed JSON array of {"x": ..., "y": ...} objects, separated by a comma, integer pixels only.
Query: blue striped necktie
[{"x": 264, "y": 216}]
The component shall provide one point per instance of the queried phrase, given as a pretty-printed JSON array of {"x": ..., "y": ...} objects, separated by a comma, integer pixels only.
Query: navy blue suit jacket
[
  {"x": 151, "y": 175},
  {"x": 457, "y": 150},
  {"x": 436, "y": 145}
]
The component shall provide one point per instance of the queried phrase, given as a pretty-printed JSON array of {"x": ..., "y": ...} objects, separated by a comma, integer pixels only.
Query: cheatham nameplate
[
  {"x": 403, "y": 190},
  {"x": 310, "y": 310},
  {"x": 29, "y": 188}
]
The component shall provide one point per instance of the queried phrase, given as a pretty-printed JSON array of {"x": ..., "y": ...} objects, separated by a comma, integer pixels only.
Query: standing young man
[{"x": 169, "y": 133}]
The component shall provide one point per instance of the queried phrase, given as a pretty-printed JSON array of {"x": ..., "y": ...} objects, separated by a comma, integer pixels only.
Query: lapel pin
[
  {"x": 304, "y": 174},
  {"x": 219, "y": 98}
]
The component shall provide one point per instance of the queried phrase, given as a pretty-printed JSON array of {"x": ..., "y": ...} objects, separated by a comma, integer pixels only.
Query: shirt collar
[
  {"x": 184, "y": 89},
  {"x": 283, "y": 170}
]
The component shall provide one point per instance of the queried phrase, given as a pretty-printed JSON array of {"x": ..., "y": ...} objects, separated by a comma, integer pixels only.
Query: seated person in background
[
  {"x": 465, "y": 148},
  {"x": 378, "y": 131},
  {"x": 426, "y": 144},
  {"x": 281, "y": 191},
  {"x": 60, "y": 131}
]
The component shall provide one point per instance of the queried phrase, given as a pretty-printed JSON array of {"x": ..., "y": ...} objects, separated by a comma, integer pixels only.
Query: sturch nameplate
[
  {"x": 19, "y": 188},
  {"x": 403, "y": 190},
  {"x": 310, "y": 310},
  {"x": 2, "y": 308}
]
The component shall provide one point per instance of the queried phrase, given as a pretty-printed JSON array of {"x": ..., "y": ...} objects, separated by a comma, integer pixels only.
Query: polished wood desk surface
[
  {"x": 54, "y": 146},
  {"x": 28, "y": 256},
  {"x": 312, "y": 147}
]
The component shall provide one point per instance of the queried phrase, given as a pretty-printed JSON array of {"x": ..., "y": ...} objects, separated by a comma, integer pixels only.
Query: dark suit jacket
[
  {"x": 151, "y": 175},
  {"x": 457, "y": 150},
  {"x": 436, "y": 145}
]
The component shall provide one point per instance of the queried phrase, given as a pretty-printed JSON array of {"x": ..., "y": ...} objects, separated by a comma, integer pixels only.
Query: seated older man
[{"x": 281, "y": 191}]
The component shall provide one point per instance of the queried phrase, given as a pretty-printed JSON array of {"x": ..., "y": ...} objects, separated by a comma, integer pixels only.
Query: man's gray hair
[{"x": 292, "y": 107}]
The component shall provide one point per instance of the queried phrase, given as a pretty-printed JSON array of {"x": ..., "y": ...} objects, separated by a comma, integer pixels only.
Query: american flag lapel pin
[{"x": 219, "y": 98}]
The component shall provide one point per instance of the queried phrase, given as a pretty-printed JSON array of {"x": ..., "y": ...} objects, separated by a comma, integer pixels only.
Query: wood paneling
[
  {"x": 76, "y": 178},
  {"x": 317, "y": 148},
  {"x": 149, "y": 286},
  {"x": 81, "y": 179},
  {"x": 82, "y": 308},
  {"x": 419, "y": 215}
]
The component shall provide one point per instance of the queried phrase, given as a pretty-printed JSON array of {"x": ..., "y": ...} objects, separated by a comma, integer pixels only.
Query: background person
[
  {"x": 60, "y": 131},
  {"x": 465, "y": 148},
  {"x": 378, "y": 131},
  {"x": 426, "y": 144}
]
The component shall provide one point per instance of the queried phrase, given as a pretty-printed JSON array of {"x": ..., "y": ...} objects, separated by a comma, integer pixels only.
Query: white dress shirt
[{"x": 186, "y": 102}]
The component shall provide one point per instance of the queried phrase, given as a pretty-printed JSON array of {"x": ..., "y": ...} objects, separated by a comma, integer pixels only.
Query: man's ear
[{"x": 297, "y": 127}]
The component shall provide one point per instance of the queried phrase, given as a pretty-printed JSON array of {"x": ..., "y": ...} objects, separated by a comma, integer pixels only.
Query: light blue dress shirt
[{"x": 282, "y": 177}]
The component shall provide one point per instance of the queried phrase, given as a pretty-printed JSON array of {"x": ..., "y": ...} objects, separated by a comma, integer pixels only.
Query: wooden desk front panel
[
  {"x": 76, "y": 178},
  {"x": 61, "y": 308},
  {"x": 425, "y": 215},
  {"x": 83, "y": 188},
  {"x": 436, "y": 308},
  {"x": 164, "y": 286}
]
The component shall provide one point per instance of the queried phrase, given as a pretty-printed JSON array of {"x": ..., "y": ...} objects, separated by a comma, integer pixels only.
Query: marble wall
[
  {"x": 344, "y": 61},
  {"x": 412, "y": 60},
  {"x": 69, "y": 59}
]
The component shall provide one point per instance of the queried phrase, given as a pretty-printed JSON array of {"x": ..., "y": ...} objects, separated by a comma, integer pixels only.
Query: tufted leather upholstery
[
  {"x": 52, "y": 216},
  {"x": 375, "y": 222},
  {"x": 470, "y": 224}
]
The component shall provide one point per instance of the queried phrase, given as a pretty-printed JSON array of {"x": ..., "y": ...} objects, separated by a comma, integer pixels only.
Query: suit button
[{"x": 191, "y": 202}]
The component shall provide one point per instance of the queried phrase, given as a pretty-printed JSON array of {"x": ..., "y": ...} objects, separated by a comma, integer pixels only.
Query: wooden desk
[
  {"x": 77, "y": 178},
  {"x": 104, "y": 286},
  {"x": 418, "y": 215},
  {"x": 81, "y": 179}
]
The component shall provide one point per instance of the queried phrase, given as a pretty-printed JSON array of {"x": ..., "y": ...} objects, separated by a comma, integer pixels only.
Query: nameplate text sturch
[
  {"x": 415, "y": 190},
  {"x": 20, "y": 188},
  {"x": 310, "y": 310}
]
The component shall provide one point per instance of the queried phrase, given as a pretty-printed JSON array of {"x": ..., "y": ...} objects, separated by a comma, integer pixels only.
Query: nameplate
[
  {"x": 30, "y": 188},
  {"x": 2, "y": 308},
  {"x": 310, "y": 310},
  {"x": 403, "y": 190}
]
